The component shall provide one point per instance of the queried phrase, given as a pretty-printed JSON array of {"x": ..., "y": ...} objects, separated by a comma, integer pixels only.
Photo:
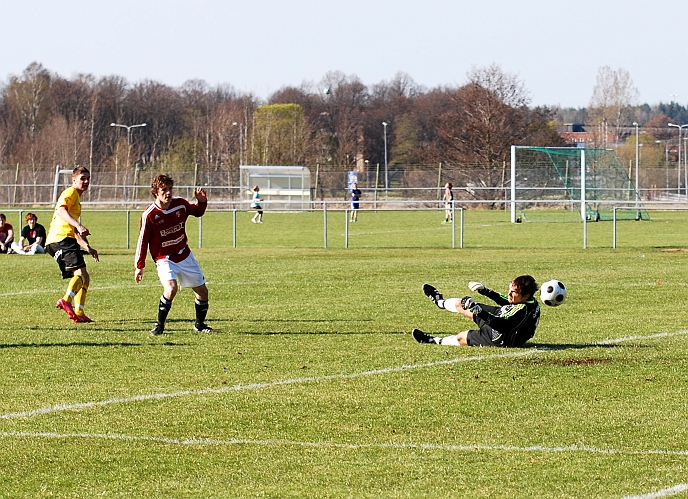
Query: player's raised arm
[{"x": 201, "y": 195}]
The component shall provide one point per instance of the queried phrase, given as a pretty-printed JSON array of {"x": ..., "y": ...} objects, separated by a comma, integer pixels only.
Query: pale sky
[{"x": 555, "y": 47}]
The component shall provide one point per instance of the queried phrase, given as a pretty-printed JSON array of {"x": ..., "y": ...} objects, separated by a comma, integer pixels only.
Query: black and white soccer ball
[{"x": 553, "y": 293}]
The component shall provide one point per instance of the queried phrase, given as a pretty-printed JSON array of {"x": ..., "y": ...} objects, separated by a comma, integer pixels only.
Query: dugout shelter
[{"x": 281, "y": 187}]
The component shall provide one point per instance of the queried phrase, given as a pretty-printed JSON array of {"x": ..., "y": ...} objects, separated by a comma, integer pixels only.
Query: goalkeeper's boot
[
  {"x": 422, "y": 337},
  {"x": 203, "y": 328},
  {"x": 67, "y": 307},
  {"x": 157, "y": 330},
  {"x": 432, "y": 293}
]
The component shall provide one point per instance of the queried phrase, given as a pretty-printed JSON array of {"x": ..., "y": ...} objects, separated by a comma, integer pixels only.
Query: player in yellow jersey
[{"x": 66, "y": 237}]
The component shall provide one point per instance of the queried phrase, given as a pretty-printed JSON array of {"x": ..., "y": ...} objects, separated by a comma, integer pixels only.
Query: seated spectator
[
  {"x": 32, "y": 237},
  {"x": 6, "y": 234}
]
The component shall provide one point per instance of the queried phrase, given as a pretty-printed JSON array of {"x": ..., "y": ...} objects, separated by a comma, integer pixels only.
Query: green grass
[{"x": 308, "y": 394}]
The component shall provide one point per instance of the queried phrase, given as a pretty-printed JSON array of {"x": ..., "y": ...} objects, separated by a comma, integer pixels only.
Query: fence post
[
  {"x": 461, "y": 228},
  {"x": 614, "y": 229},
  {"x": 16, "y": 181},
  {"x": 453, "y": 212},
  {"x": 439, "y": 181},
  {"x": 346, "y": 228},
  {"x": 325, "y": 222},
  {"x": 200, "y": 232},
  {"x": 128, "y": 228},
  {"x": 377, "y": 179},
  {"x": 234, "y": 228},
  {"x": 585, "y": 226}
]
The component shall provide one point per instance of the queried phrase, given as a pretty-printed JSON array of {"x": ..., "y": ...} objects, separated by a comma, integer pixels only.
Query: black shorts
[
  {"x": 485, "y": 337},
  {"x": 67, "y": 253}
]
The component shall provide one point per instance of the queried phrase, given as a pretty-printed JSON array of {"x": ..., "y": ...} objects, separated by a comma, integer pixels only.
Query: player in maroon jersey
[{"x": 163, "y": 232}]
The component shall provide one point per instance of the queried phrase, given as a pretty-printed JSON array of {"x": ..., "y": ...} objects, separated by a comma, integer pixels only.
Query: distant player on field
[
  {"x": 255, "y": 204},
  {"x": 448, "y": 197},
  {"x": 66, "y": 237},
  {"x": 163, "y": 231},
  {"x": 355, "y": 197},
  {"x": 510, "y": 324}
]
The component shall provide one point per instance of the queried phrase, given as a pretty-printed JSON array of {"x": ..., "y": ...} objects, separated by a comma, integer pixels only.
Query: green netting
[{"x": 554, "y": 173}]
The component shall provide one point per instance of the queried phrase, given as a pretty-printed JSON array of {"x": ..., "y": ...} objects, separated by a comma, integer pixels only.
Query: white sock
[
  {"x": 452, "y": 340},
  {"x": 452, "y": 304}
]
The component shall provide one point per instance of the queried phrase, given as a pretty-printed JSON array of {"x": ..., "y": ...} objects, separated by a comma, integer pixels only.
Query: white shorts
[{"x": 187, "y": 272}]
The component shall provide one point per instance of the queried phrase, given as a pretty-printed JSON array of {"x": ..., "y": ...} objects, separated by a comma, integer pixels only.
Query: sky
[{"x": 260, "y": 46}]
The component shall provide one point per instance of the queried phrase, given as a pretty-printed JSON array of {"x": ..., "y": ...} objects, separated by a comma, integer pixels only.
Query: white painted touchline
[
  {"x": 340, "y": 445},
  {"x": 254, "y": 386},
  {"x": 671, "y": 491}
]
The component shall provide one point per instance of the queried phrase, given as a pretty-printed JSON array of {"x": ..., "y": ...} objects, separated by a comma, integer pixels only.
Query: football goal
[{"x": 568, "y": 183}]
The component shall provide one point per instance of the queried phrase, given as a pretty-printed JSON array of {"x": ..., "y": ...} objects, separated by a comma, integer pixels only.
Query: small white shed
[{"x": 282, "y": 187}]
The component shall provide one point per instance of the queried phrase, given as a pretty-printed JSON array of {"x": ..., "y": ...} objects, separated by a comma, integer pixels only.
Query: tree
[
  {"x": 610, "y": 105},
  {"x": 281, "y": 134},
  {"x": 345, "y": 104},
  {"x": 27, "y": 99},
  {"x": 504, "y": 87}
]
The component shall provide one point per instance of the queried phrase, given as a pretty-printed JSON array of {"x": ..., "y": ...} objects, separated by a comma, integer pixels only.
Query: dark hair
[
  {"x": 79, "y": 170},
  {"x": 448, "y": 185},
  {"x": 159, "y": 181},
  {"x": 3, "y": 217},
  {"x": 526, "y": 285}
]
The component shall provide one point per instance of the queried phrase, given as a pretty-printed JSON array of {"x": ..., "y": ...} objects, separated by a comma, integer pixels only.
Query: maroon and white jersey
[{"x": 164, "y": 231}]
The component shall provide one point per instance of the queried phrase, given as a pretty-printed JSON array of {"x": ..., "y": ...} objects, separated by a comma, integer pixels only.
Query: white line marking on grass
[
  {"x": 255, "y": 386},
  {"x": 354, "y": 446},
  {"x": 94, "y": 288},
  {"x": 671, "y": 491},
  {"x": 632, "y": 338}
]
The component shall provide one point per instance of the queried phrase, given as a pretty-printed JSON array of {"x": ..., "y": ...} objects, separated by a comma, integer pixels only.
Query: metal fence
[{"x": 22, "y": 185}]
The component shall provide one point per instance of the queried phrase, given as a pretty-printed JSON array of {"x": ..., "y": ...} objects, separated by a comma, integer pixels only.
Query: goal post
[
  {"x": 56, "y": 187},
  {"x": 569, "y": 184}
]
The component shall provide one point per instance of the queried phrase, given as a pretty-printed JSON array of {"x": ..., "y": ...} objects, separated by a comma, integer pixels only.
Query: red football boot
[{"x": 67, "y": 307}]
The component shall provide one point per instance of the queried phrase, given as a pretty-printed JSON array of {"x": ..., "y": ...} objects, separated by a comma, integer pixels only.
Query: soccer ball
[{"x": 553, "y": 293}]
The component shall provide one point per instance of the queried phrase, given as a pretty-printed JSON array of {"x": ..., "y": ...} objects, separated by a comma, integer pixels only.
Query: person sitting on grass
[
  {"x": 510, "y": 324},
  {"x": 6, "y": 234},
  {"x": 33, "y": 234}
]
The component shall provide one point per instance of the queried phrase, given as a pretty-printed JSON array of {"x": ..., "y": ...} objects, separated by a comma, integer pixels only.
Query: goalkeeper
[{"x": 510, "y": 324}]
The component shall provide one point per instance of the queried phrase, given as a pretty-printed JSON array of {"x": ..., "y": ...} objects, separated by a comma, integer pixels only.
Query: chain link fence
[{"x": 29, "y": 185}]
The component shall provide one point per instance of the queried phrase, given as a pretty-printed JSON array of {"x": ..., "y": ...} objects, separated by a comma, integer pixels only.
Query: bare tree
[
  {"x": 610, "y": 104},
  {"x": 345, "y": 100},
  {"x": 27, "y": 97},
  {"x": 505, "y": 87}
]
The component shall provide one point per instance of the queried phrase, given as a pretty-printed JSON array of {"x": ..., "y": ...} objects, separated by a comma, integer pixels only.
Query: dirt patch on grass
[{"x": 589, "y": 361}]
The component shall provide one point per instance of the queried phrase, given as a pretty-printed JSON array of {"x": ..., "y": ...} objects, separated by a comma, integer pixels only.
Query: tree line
[{"x": 47, "y": 119}]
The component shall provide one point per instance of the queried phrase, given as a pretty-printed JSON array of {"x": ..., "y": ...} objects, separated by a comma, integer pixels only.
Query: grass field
[{"x": 312, "y": 385}]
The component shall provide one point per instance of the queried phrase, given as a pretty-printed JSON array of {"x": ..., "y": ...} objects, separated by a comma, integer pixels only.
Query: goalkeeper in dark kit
[{"x": 510, "y": 324}]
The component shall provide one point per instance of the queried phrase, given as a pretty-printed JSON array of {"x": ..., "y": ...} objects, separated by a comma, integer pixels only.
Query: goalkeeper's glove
[
  {"x": 475, "y": 286},
  {"x": 467, "y": 303}
]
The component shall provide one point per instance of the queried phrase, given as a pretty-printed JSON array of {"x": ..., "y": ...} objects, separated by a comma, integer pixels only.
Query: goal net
[{"x": 567, "y": 183}]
